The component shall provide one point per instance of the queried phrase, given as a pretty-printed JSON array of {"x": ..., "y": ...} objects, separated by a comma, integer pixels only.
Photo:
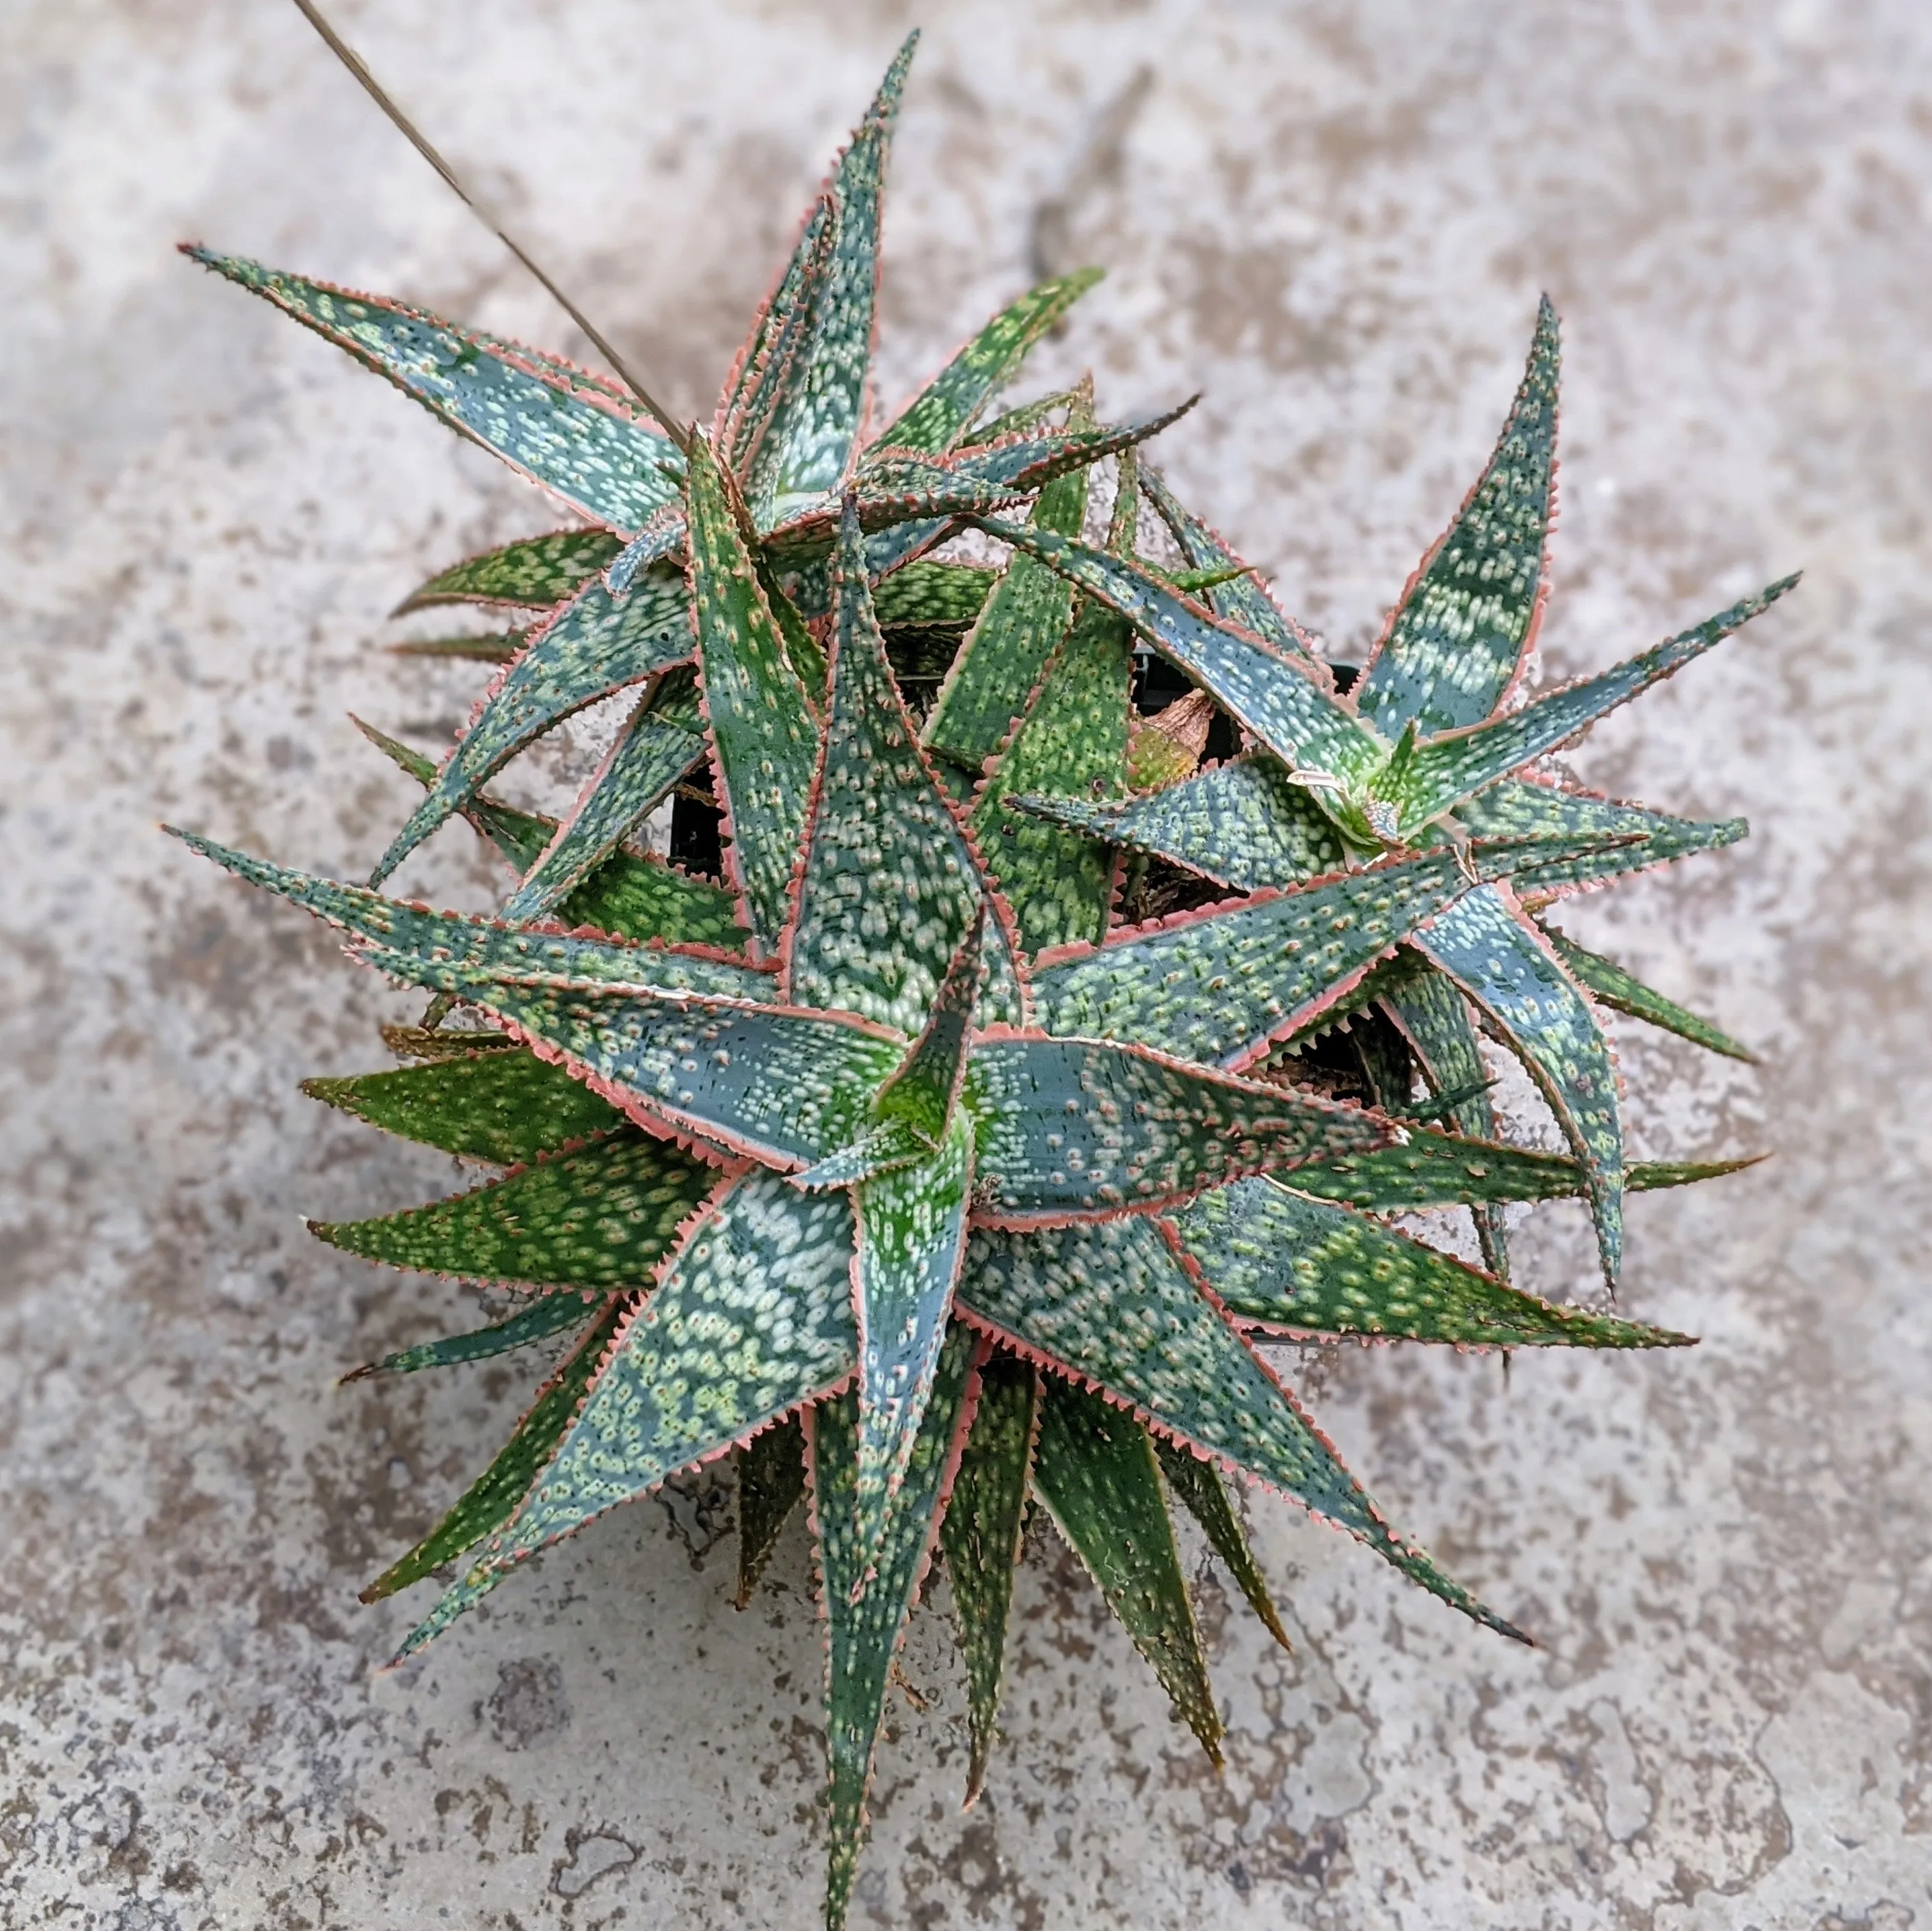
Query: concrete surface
[{"x": 1335, "y": 218}]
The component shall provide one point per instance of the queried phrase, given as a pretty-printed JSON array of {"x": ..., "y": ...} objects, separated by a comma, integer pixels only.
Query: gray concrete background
[{"x": 1335, "y": 218}]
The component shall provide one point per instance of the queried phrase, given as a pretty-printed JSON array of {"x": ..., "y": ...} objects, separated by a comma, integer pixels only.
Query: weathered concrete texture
[{"x": 1335, "y": 218}]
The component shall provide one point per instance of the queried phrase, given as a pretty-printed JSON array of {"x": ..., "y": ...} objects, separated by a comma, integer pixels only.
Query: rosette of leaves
[
  {"x": 880, "y": 1159},
  {"x": 1423, "y": 748}
]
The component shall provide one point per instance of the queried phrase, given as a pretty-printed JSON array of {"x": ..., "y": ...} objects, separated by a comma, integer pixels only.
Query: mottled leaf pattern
[
  {"x": 869, "y": 1589},
  {"x": 546, "y": 1315},
  {"x": 1095, "y": 1470},
  {"x": 764, "y": 741},
  {"x": 561, "y": 427},
  {"x": 980, "y": 1534},
  {"x": 889, "y": 886},
  {"x": 1110, "y": 1303},
  {"x": 1609, "y": 982},
  {"x": 503, "y": 1108},
  {"x": 593, "y": 646},
  {"x": 601, "y": 1217},
  {"x": 1468, "y": 616},
  {"x": 1072, "y": 1129},
  {"x": 538, "y": 572},
  {"x": 1486, "y": 946},
  {"x": 1296, "y": 1266},
  {"x": 715, "y": 1353},
  {"x": 938, "y": 596}
]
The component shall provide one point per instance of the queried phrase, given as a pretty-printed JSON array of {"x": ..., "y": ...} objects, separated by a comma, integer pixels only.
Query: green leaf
[
  {"x": 1305, "y": 1267},
  {"x": 1448, "y": 769},
  {"x": 442, "y": 951},
  {"x": 490, "y": 647},
  {"x": 1276, "y": 697},
  {"x": 763, "y": 739},
  {"x": 492, "y": 1499},
  {"x": 938, "y": 417},
  {"x": 912, "y": 1233},
  {"x": 1077, "y": 1129},
  {"x": 1110, "y": 1303},
  {"x": 1624, "y": 993},
  {"x": 504, "y": 1108},
  {"x": 1458, "y": 639},
  {"x": 546, "y": 1315},
  {"x": 778, "y": 1085},
  {"x": 1431, "y": 1016},
  {"x": 1218, "y": 985},
  {"x": 937, "y": 596},
  {"x": 630, "y": 896},
  {"x": 1634, "y": 839},
  {"x": 1486, "y": 946},
  {"x": 923, "y": 1092},
  {"x": 1244, "y": 824},
  {"x": 1073, "y": 739},
  {"x": 592, "y": 646},
  {"x": 1240, "y": 600},
  {"x": 645, "y": 761},
  {"x": 771, "y": 1478},
  {"x": 712, "y": 1357},
  {"x": 601, "y": 1216},
  {"x": 817, "y": 422},
  {"x": 1095, "y": 1470},
  {"x": 878, "y": 1149},
  {"x": 1198, "y": 1484},
  {"x": 1019, "y": 627},
  {"x": 560, "y": 426},
  {"x": 539, "y": 571},
  {"x": 869, "y": 1589},
  {"x": 981, "y": 1533},
  {"x": 773, "y": 359},
  {"x": 889, "y": 886}
]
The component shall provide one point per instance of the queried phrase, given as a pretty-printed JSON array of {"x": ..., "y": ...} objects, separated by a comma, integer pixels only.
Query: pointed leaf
[
  {"x": 1623, "y": 992},
  {"x": 1243, "y": 825},
  {"x": 601, "y": 1216},
  {"x": 1242, "y": 600},
  {"x": 912, "y": 1232},
  {"x": 539, "y": 571},
  {"x": 1486, "y": 946},
  {"x": 1519, "y": 807},
  {"x": 1435, "y": 1021},
  {"x": 645, "y": 761},
  {"x": 1096, "y": 1472},
  {"x": 1467, "y": 620},
  {"x": 774, "y": 1084},
  {"x": 442, "y": 951},
  {"x": 716, "y": 1352},
  {"x": 889, "y": 884},
  {"x": 1082, "y": 1129},
  {"x": 938, "y": 416},
  {"x": 922, "y": 1094},
  {"x": 1305, "y": 1267},
  {"x": 981, "y": 1533},
  {"x": 868, "y": 1591},
  {"x": 592, "y": 646},
  {"x": 1110, "y": 1303},
  {"x": 878, "y": 1149},
  {"x": 1073, "y": 740},
  {"x": 771, "y": 1479},
  {"x": 546, "y": 1315},
  {"x": 1449, "y": 769},
  {"x": 1218, "y": 985},
  {"x": 505, "y": 1107},
  {"x": 1198, "y": 1484},
  {"x": 764, "y": 741},
  {"x": 560, "y": 426},
  {"x": 809, "y": 443},
  {"x": 492, "y": 1499},
  {"x": 490, "y": 647},
  {"x": 1018, "y": 629}
]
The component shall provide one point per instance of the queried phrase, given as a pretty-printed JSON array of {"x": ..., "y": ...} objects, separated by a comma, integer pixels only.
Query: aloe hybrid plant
[{"x": 884, "y": 1158}]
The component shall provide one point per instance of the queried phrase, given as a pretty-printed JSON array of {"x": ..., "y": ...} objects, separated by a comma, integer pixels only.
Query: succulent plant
[{"x": 886, "y": 1158}]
